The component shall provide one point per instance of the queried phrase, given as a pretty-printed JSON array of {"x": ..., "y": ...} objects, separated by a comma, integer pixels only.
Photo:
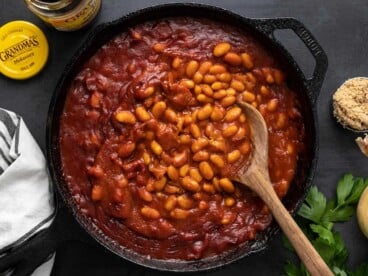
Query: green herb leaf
[
  {"x": 339, "y": 214},
  {"x": 359, "y": 186},
  {"x": 338, "y": 272},
  {"x": 323, "y": 233},
  {"x": 344, "y": 187},
  {"x": 314, "y": 206},
  {"x": 362, "y": 270},
  {"x": 317, "y": 217},
  {"x": 293, "y": 270}
]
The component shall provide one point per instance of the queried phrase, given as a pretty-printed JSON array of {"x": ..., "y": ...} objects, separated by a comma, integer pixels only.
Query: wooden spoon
[{"x": 256, "y": 177}]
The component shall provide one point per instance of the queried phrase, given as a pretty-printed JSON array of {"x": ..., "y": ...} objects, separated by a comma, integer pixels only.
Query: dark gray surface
[{"x": 341, "y": 29}]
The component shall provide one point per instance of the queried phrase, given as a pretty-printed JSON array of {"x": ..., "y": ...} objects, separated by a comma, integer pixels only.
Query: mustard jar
[{"x": 65, "y": 15}]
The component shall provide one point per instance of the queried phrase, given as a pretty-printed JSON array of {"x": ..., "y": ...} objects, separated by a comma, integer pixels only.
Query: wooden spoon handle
[{"x": 305, "y": 250}]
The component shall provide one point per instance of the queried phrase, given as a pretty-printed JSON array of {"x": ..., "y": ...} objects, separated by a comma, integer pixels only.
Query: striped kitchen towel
[{"x": 26, "y": 199}]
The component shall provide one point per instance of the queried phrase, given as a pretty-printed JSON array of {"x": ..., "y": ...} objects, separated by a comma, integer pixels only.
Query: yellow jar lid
[{"x": 23, "y": 50}]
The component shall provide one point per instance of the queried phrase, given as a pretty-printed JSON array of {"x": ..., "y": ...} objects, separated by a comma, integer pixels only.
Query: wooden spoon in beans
[{"x": 256, "y": 177}]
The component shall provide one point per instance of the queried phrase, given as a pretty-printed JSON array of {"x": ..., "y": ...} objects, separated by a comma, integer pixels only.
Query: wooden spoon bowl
[{"x": 255, "y": 176}]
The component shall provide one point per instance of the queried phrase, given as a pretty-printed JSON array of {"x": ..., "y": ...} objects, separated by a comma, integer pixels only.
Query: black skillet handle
[
  {"x": 26, "y": 257},
  {"x": 268, "y": 26}
]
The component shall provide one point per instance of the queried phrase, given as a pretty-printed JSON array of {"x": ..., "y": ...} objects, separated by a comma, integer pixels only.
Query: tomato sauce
[{"x": 150, "y": 136}]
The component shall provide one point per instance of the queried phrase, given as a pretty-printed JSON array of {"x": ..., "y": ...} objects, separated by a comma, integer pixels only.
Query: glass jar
[{"x": 65, "y": 15}]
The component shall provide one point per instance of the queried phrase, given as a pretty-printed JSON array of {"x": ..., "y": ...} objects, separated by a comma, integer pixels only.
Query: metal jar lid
[{"x": 24, "y": 50}]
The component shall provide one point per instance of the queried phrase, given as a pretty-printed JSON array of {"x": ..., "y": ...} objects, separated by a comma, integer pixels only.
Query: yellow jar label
[
  {"x": 23, "y": 49},
  {"x": 78, "y": 18}
]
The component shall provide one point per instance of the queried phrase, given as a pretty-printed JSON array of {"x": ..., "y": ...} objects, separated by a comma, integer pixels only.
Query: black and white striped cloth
[{"x": 26, "y": 200}]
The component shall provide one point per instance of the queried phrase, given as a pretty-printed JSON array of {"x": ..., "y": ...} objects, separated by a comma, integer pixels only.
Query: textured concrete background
[{"x": 342, "y": 30}]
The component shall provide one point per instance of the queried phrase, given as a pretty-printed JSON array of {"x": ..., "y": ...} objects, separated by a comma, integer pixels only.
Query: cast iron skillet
[{"x": 35, "y": 250}]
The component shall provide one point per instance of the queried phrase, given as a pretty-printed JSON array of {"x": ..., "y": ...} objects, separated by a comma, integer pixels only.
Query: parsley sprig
[{"x": 317, "y": 216}]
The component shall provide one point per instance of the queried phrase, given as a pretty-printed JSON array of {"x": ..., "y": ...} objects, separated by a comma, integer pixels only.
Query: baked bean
[
  {"x": 248, "y": 96},
  {"x": 171, "y": 189},
  {"x": 217, "y": 114},
  {"x": 203, "y": 205},
  {"x": 184, "y": 202},
  {"x": 208, "y": 188},
  {"x": 185, "y": 139},
  {"x": 171, "y": 115},
  {"x": 281, "y": 120},
  {"x": 229, "y": 201},
  {"x": 224, "y": 77},
  {"x": 201, "y": 156},
  {"x": 150, "y": 135},
  {"x": 126, "y": 117},
  {"x": 188, "y": 83},
  {"x": 96, "y": 193},
  {"x": 216, "y": 184},
  {"x": 237, "y": 85},
  {"x": 264, "y": 91},
  {"x": 231, "y": 91},
  {"x": 195, "y": 131},
  {"x": 156, "y": 147},
  {"x": 240, "y": 135},
  {"x": 148, "y": 92},
  {"x": 209, "y": 130},
  {"x": 179, "y": 213},
  {"x": 217, "y": 69},
  {"x": 227, "y": 101},
  {"x": 204, "y": 67},
  {"x": 194, "y": 116},
  {"x": 242, "y": 118},
  {"x": 209, "y": 79},
  {"x": 180, "y": 159},
  {"x": 95, "y": 99},
  {"x": 191, "y": 68},
  {"x": 247, "y": 61},
  {"x": 158, "y": 109},
  {"x": 159, "y": 47},
  {"x": 199, "y": 144},
  {"x": 194, "y": 173},
  {"x": 207, "y": 90},
  {"x": 198, "y": 77},
  {"x": 126, "y": 149},
  {"x": 142, "y": 114},
  {"x": 122, "y": 182},
  {"x": 218, "y": 145},
  {"x": 197, "y": 89},
  {"x": 221, "y": 49},
  {"x": 230, "y": 131},
  {"x": 270, "y": 79},
  {"x": 272, "y": 105},
  {"x": 217, "y": 85},
  {"x": 170, "y": 203},
  {"x": 226, "y": 185},
  {"x": 190, "y": 184},
  {"x": 205, "y": 112},
  {"x": 278, "y": 76},
  {"x": 160, "y": 184},
  {"x": 173, "y": 173},
  {"x": 206, "y": 170},
  {"x": 144, "y": 194},
  {"x": 204, "y": 99},
  {"x": 219, "y": 94},
  {"x": 150, "y": 213},
  {"x": 176, "y": 62},
  {"x": 227, "y": 218},
  {"x": 233, "y": 156},
  {"x": 233, "y": 59},
  {"x": 183, "y": 171},
  {"x": 233, "y": 114},
  {"x": 217, "y": 160},
  {"x": 290, "y": 148}
]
